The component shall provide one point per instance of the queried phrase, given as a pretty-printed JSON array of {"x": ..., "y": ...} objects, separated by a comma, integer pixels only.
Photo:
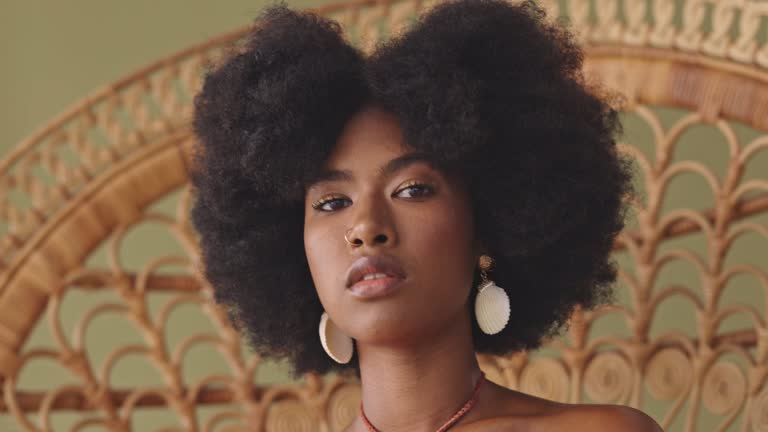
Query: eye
[
  {"x": 322, "y": 204},
  {"x": 417, "y": 190}
]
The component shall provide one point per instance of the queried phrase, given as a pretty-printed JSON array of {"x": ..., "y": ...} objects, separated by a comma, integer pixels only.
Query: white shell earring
[
  {"x": 336, "y": 344},
  {"x": 492, "y": 307}
]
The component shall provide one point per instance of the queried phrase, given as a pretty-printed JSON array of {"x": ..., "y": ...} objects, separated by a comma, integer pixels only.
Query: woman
[{"x": 352, "y": 207}]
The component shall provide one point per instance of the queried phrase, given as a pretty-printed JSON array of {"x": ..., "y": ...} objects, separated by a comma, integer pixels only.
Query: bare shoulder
[
  {"x": 515, "y": 411},
  {"x": 606, "y": 418}
]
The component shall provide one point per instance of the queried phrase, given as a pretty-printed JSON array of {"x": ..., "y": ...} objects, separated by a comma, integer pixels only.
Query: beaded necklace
[{"x": 456, "y": 417}]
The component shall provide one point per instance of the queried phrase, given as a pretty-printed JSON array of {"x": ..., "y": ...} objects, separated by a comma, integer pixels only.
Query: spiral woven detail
[
  {"x": 668, "y": 374},
  {"x": 608, "y": 378},
  {"x": 342, "y": 406},
  {"x": 289, "y": 415},
  {"x": 724, "y": 388},
  {"x": 547, "y": 378}
]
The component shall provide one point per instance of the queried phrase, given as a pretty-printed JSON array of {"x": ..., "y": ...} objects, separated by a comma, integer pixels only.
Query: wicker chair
[{"x": 80, "y": 197}]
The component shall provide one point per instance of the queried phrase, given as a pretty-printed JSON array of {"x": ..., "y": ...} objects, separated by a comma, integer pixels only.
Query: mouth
[
  {"x": 374, "y": 276},
  {"x": 373, "y": 288}
]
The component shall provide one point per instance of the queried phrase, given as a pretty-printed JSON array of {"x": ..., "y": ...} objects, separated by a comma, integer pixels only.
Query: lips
[{"x": 374, "y": 264}]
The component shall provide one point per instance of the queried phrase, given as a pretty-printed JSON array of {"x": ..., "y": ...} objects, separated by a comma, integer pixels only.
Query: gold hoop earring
[{"x": 492, "y": 308}]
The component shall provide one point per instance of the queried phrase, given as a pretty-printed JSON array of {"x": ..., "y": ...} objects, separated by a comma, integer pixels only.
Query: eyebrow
[{"x": 388, "y": 169}]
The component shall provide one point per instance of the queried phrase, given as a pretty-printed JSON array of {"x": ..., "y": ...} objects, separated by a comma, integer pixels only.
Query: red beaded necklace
[{"x": 456, "y": 417}]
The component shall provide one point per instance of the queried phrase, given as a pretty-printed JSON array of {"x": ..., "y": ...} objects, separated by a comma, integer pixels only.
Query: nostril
[{"x": 381, "y": 238}]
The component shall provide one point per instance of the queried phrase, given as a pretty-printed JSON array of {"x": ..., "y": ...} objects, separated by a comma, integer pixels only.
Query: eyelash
[{"x": 426, "y": 187}]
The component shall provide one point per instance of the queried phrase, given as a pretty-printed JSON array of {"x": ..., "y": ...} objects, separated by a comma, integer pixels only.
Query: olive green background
[{"x": 55, "y": 53}]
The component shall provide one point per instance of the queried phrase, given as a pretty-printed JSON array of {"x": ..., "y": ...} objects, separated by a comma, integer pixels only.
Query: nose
[{"x": 372, "y": 225}]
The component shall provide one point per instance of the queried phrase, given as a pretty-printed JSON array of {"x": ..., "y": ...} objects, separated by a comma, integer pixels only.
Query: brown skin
[{"x": 417, "y": 362}]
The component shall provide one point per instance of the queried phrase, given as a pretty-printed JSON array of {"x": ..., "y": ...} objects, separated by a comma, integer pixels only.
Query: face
[{"x": 395, "y": 205}]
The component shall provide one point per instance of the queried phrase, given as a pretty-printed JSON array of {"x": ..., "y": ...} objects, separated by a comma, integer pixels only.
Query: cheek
[
  {"x": 445, "y": 227},
  {"x": 320, "y": 247},
  {"x": 441, "y": 240}
]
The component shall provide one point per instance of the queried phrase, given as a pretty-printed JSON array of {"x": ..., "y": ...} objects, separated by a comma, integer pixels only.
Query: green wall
[{"x": 55, "y": 52}]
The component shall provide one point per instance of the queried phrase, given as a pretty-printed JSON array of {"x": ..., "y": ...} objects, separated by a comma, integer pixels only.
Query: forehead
[{"x": 371, "y": 134}]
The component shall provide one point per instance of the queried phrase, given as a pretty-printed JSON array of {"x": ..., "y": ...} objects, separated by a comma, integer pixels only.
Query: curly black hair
[{"x": 492, "y": 90}]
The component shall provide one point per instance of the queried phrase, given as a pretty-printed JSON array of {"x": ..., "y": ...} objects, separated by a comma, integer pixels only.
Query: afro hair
[{"x": 491, "y": 89}]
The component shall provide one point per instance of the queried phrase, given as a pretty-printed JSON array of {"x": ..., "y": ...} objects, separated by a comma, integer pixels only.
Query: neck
[{"x": 421, "y": 386}]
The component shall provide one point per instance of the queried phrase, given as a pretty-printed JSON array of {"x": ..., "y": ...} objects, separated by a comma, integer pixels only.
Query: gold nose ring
[{"x": 345, "y": 236}]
